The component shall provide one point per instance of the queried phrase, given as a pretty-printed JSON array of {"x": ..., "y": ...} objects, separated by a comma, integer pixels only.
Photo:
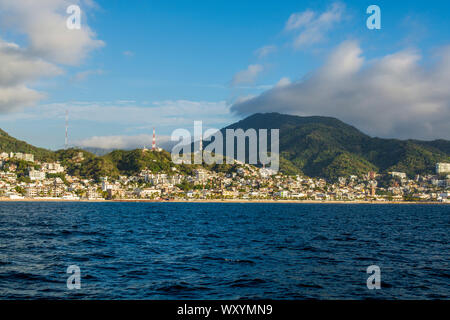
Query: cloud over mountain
[
  {"x": 394, "y": 96},
  {"x": 126, "y": 142}
]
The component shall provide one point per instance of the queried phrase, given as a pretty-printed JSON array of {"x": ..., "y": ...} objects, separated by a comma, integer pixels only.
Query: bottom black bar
[{"x": 226, "y": 309}]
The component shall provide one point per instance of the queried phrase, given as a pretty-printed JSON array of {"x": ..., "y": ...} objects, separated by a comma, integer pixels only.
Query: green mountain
[
  {"x": 327, "y": 147},
  {"x": 134, "y": 161},
  {"x": 84, "y": 164}
]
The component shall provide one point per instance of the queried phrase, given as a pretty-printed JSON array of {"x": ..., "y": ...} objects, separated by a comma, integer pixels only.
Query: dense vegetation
[
  {"x": 134, "y": 161},
  {"x": 84, "y": 164}
]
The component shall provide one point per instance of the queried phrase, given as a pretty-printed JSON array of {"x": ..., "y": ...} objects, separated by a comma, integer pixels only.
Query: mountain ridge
[{"x": 328, "y": 147}]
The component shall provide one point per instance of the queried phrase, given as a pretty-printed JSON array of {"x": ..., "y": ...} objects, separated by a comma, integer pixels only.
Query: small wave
[
  {"x": 345, "y": 239},
  {"x": 211, "y": 258},
  {"x": 89, "y": 277},
  {"x": 80, "y": 258},
  {"x": 246, "y": 283},
  {"x": 243, "y": 261},
  {"x": 180, "y": 287},
  {"x": 101, "y": 255},
  {"x": 15, "y": 275},
  {"x": 436, "y": 296},
  {"x": 305, "y": 285},
  {"x": 309, "y": 248},
  {"x": 212, "y": 235},
  {"x": 442, "y": 275},
  {"x": 363, "y": 258},
  {"x": 94, "y": 241},
  {"x": 46, "y": 234},
  {"x": 240, "y": 261},
  {"x": 137, "y": 272}
]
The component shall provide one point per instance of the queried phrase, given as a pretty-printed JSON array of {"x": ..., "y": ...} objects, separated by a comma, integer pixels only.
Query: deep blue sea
[{"x": 223, "y": 251}]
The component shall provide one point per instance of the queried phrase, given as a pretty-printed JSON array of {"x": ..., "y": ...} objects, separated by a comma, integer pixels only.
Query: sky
[{"x": 138, "y": 65}]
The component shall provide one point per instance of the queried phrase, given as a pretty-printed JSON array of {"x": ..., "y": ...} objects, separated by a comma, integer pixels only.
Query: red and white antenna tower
[{"x": 154, "y": 140}]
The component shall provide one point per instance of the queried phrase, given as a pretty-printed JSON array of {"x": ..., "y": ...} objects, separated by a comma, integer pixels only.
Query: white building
[
  {"x": 176, "y": 179},
  {"x": 36, "y": 175},
  {"x": 105, "y": 185},
  {"x": 147, "y": 192},
  {"x": 282, "y": 194},
  {"x": 401, "y": 175},
  {"x": 22, "y": 156},
  {"x": 156, "y": 179},
  {"x": 54, "y": 167},
  {"x": 266, "y": 173},
  {"x": 28, "y": 157},
  {"x": 298, "y": 195},
  {"x": 201, "y": 175},
  {"x": 442, "y": 167}
]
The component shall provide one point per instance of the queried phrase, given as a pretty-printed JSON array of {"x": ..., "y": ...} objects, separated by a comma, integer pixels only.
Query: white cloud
[
  {"x": 265, "y": 51},
  {"x": 82, "y": 75},
  {"x": 242, "y": 99},
  {"x": 128, "y": 53},
  {"x": 17, "y": 67},
  {"x": 13, "y": 98},
  {"x": 299, "y": 19},
  {"x": 44, "y": 24},
  {"x": 312, "y": 26},
  {"x": 48, "y": 42},
  {"x": 283, "y": 82},
  {"x": 247, "y": 76},
  {"x": 162, "y": 114},
  {"x": 126, "y": 142},
  {"x": 394, "y": 96}
]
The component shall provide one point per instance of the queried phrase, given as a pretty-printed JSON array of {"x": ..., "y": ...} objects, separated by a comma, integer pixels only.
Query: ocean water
[{"x": 223, "y": 251}]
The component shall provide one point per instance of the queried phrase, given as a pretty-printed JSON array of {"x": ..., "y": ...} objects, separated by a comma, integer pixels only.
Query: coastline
[{"x": 222, "y": 201}]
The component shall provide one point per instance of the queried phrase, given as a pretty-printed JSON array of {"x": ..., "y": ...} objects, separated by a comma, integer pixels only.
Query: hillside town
[{"x": 24, "y": 178}]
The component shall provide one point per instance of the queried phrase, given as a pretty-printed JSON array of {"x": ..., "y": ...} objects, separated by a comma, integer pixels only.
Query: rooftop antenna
[{"x": 67, "y": 126}]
